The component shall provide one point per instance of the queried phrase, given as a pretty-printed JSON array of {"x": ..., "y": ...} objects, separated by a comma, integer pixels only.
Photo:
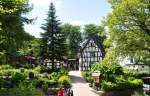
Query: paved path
[{"x": 79, "y": 86}]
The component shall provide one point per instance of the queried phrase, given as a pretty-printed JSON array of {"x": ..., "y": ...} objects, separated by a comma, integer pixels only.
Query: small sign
[
  {"x": 96, "y": 76},
  {"x": 96, "y": 73}
]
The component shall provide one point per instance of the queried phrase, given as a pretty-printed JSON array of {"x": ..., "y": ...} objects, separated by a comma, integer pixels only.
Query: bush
[
  {"x": 45, "y": 87},
  {"x": 138, "y": 94},
  {"x": 3, "y": 67},
  {"x": 37, "y": 69},
  {"x": 31, "y": 75},
  {"x": 22, "y": 70},
  {"x": 64, "y": 81},
  {"x": 17, "y": 77},
  {"x": 52, "y": 83},
  {"x": 21, "y": 90},
  {"x": 107, "y": 86},
  {"x": 121, "y": 83},
  {"x": 5, "y": 83},
  {"x": 63, "y": 71},
  {"x": 135, "y": 83},
  {"x": 87, "y": 76},
  {"x": 135, "y": 73},
  {"x": 8, "y": 72},
  {"x": 108, "y": 71},
  {"x": 54, "y": 76}
]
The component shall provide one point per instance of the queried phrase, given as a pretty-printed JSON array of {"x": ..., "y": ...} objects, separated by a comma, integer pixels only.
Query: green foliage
[
  {"x": 53, "y": 40},
  {"x": 13, "y": 37},
  {"x": 18, "y": 77},
  {"x": 63, "y": 71},
  {"x": 31, "y": 75},
  {"x": 2, "y": 57},
  {"x": 138, "y": 94},
  {"x": 30, "y": 47},
  {"x": 11, "y": 78},
  {"x": 108, "y": 67},
  {"x": 54, "y": 76},
  {"x": 21, "y": 90},
  {"x": 128, "y": 25},
  {"x": 90, "y": 29},
  {"x": 6, "y": 66},
  {"x": 121, "y": 83},
  {"x": 87, "y": 76},
  {"x": 45, "y": 87},
  {"x": 73, "y": 39},
  {"x": 93, "y": 30},
  {"x": 135, "y": 73},
  {"x": 8, "y": 72},
  {"x": 64, "y": 81},
  {"x": 135, "y": 83},
  {"x": 108, "y": 71}
]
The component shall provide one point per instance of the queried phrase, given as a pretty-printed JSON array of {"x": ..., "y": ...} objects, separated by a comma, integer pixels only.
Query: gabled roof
[{"x": 96, "y": 40}]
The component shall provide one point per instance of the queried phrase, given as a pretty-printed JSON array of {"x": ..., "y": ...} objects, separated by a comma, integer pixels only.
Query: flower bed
[{"x": 11, "y": 78}]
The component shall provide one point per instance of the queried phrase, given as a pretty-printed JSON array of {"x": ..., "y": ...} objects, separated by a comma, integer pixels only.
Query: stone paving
[{"x": 79, "y": 86}]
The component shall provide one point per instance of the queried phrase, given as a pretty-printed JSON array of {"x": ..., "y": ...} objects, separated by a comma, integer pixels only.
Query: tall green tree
[
  {"x": 129, "y": 27},
  {"x": 12, "y": 34},
  {"x": 53, "y": 40},
  {"x": 73, "y": 39},
  {"x": 91, "y": 29},
  {"x": 94, "y": 30},
  {"x": 30, "y": 47}
]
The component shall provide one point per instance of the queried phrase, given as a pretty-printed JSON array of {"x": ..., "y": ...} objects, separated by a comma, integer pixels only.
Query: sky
[{"x": 76, "y": 12}]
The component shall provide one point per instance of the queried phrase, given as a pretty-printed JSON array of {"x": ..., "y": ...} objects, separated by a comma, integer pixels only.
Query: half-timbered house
[{"x": 91, "y": 51}]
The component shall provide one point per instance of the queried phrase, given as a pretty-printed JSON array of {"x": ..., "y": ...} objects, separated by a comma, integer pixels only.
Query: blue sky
[{"x": 76, "y": 12}]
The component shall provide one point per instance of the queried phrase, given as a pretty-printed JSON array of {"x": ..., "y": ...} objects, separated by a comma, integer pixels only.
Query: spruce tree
[{"x": 53, "y": 46}]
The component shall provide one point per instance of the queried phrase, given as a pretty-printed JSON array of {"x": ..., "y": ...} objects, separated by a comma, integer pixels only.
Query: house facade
[{"x": 91, "y": 51}]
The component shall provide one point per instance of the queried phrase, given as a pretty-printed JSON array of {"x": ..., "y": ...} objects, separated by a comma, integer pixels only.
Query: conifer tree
[{"x": 53, "y": 46}]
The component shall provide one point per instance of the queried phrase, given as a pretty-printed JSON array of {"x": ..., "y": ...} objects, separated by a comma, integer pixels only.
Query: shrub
[
  {"x": 138, "y": 94},
  {"x": 108, "y": 71},
  {"x": 31, "y": 75},
  {"x": 2, "y": 67},
  {"x": 121, "y": 83},
  {"x": 63, "y": 71},
  {"x": 135, "y": 83},
  {"x": 135, "y": 73},
  {"x": 64, "y": 81},
  {"x": 21, "y": 90},
  {"x": 45, "y": 87},
  {"x": 39, "y": 82},
  {"x": 28, "y": 66},
  {"x": 107, "y": 86},
  {"x": 5, "y": 83},
  {"x": 52, "y": 83},
  {"x": 8, "y": 72},
  {"x": 54, "y": 76},
  {"x": 17, "y": 77},
  {"x": 43, "y": 69},
  {"x": 87, "y": 76},
  {"x": 37, "y": 69},
  {"x": 22, "y": 70}
]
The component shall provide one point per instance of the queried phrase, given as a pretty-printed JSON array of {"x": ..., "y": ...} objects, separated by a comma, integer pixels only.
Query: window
[
  {"x": 92, "y": 44},
  {"x": 92, "y": 54}
]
